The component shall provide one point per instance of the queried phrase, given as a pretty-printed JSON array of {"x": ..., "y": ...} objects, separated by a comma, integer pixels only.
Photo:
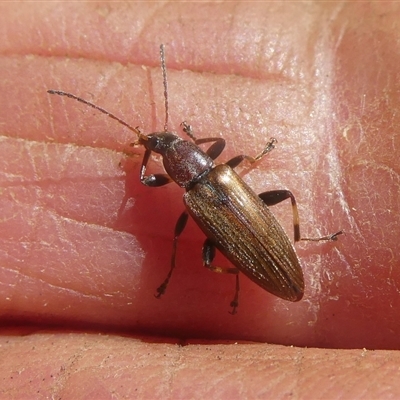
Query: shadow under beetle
[{"x": 234, "y": 219}]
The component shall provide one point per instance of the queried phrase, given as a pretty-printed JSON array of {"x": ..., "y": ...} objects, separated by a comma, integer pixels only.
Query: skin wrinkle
[
  {"x": 104, "y": 80},
  {"x": 51, "y": 113},
  {"x": 231, "y": 23},
  {"x": 69, "y": 155},
  {"x": 153, "y": 17},
  {"x": 62, "y": 289},
  {"x": 62, "y": 235},
  {"x": 42, "y": 183},
  {"x": 276, "y": 78}
]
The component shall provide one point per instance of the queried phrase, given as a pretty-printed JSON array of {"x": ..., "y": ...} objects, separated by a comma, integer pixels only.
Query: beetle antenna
[
  {"x": 88, "y": 103},
  {"x": 165, "y": 83}
]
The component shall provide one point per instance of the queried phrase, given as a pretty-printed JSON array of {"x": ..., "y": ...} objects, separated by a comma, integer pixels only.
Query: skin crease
[{"x": 83, "y": 244}]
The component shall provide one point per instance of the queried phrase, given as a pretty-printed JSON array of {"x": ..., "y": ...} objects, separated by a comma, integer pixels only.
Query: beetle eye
[{"x": 153, "y": 142}]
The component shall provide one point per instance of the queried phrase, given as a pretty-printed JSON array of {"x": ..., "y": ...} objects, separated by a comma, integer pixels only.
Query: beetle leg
[
  {"x": 152, "y": 180},
  {"x": 273, "y": 197},
  {"x": 235, "y": 161},
  {"x": 187, "y": 128},
  {"x": 235, "y": 302},
  {"x": 208, "y": 257},
  {"x": 179, "y": 227},
  {"x": 214, "y": 150}
]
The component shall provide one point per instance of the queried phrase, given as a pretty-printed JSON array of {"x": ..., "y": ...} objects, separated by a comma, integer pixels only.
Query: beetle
[{"x": 235, "y": 220}]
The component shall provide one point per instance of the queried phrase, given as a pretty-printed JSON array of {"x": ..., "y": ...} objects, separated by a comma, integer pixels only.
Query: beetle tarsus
[
  {"x": 188, "y": 129},
  {"x": 269, "y": 147},
  {"x": 334, "y": 236},
  {"x": 234, "y": 306},
  {"x": 235, "y": 301},
  {"x": 161, "y": 290},
  {"x": 329, "y": 238}
]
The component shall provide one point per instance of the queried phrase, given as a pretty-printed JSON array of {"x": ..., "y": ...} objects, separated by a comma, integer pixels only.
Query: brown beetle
[{"x": 234, "y": 219}]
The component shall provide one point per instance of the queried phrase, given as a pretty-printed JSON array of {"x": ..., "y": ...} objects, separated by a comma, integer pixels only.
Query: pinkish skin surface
[{"x": 84, "y": 244}]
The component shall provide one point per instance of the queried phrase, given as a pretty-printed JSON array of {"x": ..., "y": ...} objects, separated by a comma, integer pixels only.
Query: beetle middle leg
[
  {"x": 235, "y": 161},
  {"x": 273, "y": 197},
  {"x": 208, "y": 257},
  {"x": 214, "y": 150},
  {"x": 179, "y": 227}
]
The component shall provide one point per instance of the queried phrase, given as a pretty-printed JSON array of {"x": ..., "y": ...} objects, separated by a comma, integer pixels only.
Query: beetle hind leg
[
  {"x": 208, "y": 257},
  {"x": 273, "y": 197},
  {"x": 235, "y": 302},
  {"x": 179, "y": 227}
]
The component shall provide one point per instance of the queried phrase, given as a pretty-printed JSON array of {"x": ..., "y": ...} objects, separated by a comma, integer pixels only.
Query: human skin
[{"x": 84, "y": 245}]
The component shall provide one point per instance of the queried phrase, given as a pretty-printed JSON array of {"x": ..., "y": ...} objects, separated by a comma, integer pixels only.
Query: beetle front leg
[
  {"x": 273, "y": 197},
  {"x": 208, "y": 257},
  {"x": 235, "y": 161},
  {"x": 153, "y": 180},
  {"x": 179, "y": 227}
]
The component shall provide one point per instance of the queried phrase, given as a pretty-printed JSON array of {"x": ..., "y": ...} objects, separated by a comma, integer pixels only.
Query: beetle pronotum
[{"x": 234, "y": 219}]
